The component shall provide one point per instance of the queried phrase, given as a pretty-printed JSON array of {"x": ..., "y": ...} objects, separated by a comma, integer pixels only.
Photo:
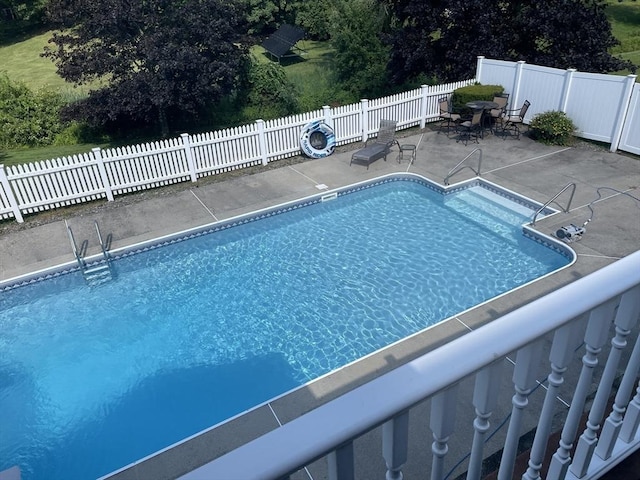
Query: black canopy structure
[{"x": 284, "y": 41}]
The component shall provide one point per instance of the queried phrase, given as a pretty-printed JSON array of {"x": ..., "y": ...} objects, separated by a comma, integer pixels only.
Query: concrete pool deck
[{"x": 526, "y": 167}]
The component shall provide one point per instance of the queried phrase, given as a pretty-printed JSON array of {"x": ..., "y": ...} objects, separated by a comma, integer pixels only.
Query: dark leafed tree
[
  {"x": 442, "y": 38},
  {"x": 155, "y": 58}
]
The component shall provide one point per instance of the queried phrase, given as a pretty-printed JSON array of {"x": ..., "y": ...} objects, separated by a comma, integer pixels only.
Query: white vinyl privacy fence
[{"x": 604, "y": 108}]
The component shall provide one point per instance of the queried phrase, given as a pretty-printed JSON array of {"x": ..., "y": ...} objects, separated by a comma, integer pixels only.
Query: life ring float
[{"x": 317, "y": 139}]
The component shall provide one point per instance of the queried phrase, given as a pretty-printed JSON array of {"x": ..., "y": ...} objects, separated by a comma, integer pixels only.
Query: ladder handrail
[
  {"x": 74, "y": 248},
  {"x": 459, "y": 168},
  {"x": 566, "y": 209},
  {"x": 105, "y": 254}
]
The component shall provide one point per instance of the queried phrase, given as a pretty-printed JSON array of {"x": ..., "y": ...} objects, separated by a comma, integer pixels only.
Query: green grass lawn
[
  {"x": 625, "y": 25},
  {"x": 22, "y": 62},
  {"x": 26, "y": 155}
]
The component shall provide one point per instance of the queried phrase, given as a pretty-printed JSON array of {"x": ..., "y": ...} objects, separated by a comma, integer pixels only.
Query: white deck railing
[{"x": 581, "y": 316}]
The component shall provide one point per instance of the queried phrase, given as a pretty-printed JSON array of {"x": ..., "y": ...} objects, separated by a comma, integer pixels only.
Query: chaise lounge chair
[{"x": 379, "y": 146}]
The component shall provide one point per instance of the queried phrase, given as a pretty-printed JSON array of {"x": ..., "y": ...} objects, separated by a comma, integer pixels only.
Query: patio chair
[
  {"x": 512, "y": 119},
  {"x": 379, "y": 147},
  {"x": 447, "y": 118},
  {"x": 471, "y": 128},
  {"x": 496, "y": 113}
]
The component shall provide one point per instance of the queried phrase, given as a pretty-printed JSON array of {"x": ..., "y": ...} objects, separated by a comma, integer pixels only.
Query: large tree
[
  {"x": 360, "y": 56},
  {"x": 154, "y": 58},
  {"x": 442, "y": 38}
]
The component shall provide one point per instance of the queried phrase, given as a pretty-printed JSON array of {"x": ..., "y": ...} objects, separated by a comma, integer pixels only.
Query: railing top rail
[{"x": 281, "y": 451}]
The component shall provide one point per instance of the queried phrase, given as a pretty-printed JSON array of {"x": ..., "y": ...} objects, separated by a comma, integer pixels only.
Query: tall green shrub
[
  {"x": 552, "y": 128},
  {"x": 28, "y": 118},
  {"x": 269, "y": 94}
]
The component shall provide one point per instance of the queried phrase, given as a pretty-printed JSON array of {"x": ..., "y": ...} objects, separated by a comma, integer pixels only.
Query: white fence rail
[
  {"x": 572, "y": 324},
  {"x": 604, "y": 108}
]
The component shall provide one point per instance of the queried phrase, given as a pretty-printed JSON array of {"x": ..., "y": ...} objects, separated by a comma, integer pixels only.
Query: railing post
[
  {"x": 341, "y": 466},
  {"x": 262, "y": 142},
  {"x": 395, "y": 445},
  {"x": 524, "y": 379},
  {"x": 625, "y": 320},
  {"x": 442, "y": 421},
  {"x": 622, "y": 112},
  {"x": 594, "y": 338},
  {"x": 424, "y": 91},
  {"x": 485, "y": 397},
  {"x": 9, "y": 194},
  {"x": 97, "y": 154},
  {"x": 364, "y": 118},
  {"x": 186, "y": 143}
]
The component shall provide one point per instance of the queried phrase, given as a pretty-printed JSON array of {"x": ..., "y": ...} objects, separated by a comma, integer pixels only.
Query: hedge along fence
[{"x": 104, "y": 173}]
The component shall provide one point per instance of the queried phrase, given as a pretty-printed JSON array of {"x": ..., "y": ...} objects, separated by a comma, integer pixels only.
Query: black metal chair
[
  {"x": 496, "y": 113},
  {"x": 512, "y": 119},
  {"x": 448, "y": 119},
  {"x": 471, "y": 128}
]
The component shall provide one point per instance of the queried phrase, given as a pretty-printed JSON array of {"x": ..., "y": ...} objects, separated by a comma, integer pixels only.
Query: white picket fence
[
  {"x": 604, "y": 107},
  {"x": 104, "y": 173}
]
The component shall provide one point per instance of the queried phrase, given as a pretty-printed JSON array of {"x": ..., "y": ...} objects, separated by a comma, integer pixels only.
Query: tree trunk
[{"x": 164, "y": 123}]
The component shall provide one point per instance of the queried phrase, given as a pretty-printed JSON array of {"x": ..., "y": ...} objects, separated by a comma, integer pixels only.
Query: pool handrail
[
  {"x": 552, "y": 199},
  {"x": 459, "y": 167}
]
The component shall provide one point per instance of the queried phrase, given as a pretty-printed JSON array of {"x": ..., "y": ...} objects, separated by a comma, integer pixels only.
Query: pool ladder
[
  {"x": 461, "y": 166},
  {"x": 94, "y": 273}
]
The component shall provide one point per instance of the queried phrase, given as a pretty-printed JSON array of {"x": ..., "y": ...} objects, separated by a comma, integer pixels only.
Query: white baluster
[
  {"x": 524, "y": 379},
  {"x": 613, "y": 424},
  {"x": 341, "y": 463},
  {"x": 441, "y": 422},
  {"x": 562, "y": 351},
  {"x": 395, "y": 443},
  {"x": 631, "y": 420},
  {"x": 587, "y": 442},
  {"x": 485, "y": 397},
  {"x": 595, "y": 338}
]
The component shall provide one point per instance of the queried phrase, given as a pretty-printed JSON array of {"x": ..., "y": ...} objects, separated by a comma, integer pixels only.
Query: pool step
[{"x": 490, "y": 210}]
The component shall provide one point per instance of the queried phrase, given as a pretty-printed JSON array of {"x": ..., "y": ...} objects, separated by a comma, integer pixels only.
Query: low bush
[{"x": 552, "y": 128}]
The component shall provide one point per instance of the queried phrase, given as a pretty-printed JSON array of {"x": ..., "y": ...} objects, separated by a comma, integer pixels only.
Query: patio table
[{"x": 485, "y": 106}]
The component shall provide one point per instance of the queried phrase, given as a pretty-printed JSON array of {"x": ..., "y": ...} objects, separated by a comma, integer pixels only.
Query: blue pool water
[{"x": 190, "y": 334}]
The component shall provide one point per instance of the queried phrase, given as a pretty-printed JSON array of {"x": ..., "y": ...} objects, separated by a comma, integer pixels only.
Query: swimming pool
[{"x": 97, "y": 377}]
